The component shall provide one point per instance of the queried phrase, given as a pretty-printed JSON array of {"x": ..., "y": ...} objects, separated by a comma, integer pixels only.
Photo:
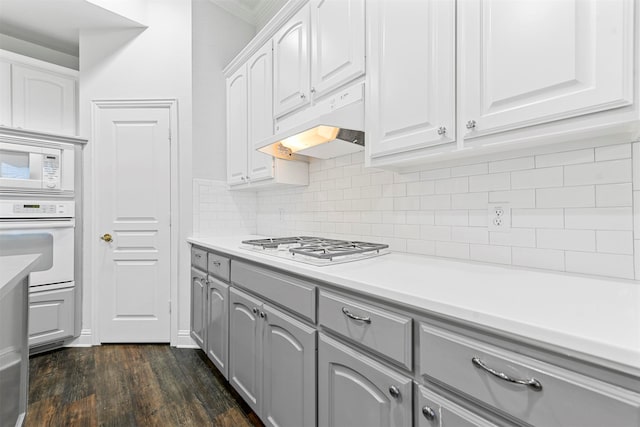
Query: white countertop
[
  {"x": 596, "y": 318},
  {"x": 14, "y": 268}
]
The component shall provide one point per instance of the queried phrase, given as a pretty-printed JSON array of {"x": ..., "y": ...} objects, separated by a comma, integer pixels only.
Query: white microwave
[{"x": 39, "y": 169}]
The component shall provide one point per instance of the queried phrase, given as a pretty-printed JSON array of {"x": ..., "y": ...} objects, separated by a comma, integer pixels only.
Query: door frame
[{"x": 174, "y": 229}]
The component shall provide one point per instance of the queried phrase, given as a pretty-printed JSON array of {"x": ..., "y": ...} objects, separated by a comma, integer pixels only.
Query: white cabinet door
[
  {"x": 5, "y": 93},
  {"x": 217, "y": 330},
  {"x": 337, "y": 43},
  {"x": 291, "y": 64},
  {"x": 260, "y": 107},
  {"x": 531, "y": 62},
  {"x": 43, "y": 100},
  {"x": 289, "y": 371},
  {"x": 354, "y": 390},
  {"x": 245, "y": 347},
  {"x": 198, "y": 297},
  {"x": 410, "y": 100},
  {"x": 237, "y": 127}
]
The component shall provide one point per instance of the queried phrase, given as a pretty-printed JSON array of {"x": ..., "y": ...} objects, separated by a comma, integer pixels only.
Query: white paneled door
[{"x": 132, "y": 166}]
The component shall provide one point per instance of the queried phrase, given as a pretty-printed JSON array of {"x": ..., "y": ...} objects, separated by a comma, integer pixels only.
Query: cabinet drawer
[
  {"x": 380, "y": 330},
  {"x": 218, "y": 266},
  {"x": 199, "y": 258},
  {"x": 564, "y": 398},
  {"x": 292, "y": 293},
  {"x": 51, "y": 315}
]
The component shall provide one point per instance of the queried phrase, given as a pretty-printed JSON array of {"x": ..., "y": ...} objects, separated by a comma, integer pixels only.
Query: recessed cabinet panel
[
  {"x": 337, "y": 43},
  {"x": 531, "y": 62},
  {"x": 217, "y": 330},
  {"x": 291, "y": 64},
  {"x": 260, "y": 108},
  {"x": 51, "y": 316},
  {"x": 5, "y": 90},
  {"x": 237, "y": 127},
  {"x": 410, "y": 99},
  {"x": 43, "y": 100}
]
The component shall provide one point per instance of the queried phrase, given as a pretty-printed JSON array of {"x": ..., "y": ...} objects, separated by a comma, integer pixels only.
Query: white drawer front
[
  {"x": 564, "y": 399},
  {"x": 380, "y": 330}
]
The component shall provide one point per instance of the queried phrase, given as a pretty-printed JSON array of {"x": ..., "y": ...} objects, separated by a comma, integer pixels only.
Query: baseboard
[
  {"x": 184, "y": 340},
  {"x": 84, "y": 340}
]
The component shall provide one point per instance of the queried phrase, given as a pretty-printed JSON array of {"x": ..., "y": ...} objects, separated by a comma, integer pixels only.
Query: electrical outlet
[{"x": 499, "y": 217}]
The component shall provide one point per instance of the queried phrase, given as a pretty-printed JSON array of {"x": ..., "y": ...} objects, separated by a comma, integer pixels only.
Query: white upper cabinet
[
  {"x": 410, "y": 100},
  {"x": 337, "y": 43},
  {"x": 291, "y": 64},
  {"x": 532, "y": 62},
  {"x": 260, "y": 107},
  {"x": 43, "y": 100},
  {"x": 237, "y": 127},
  {"x": 5, "y": 90}
]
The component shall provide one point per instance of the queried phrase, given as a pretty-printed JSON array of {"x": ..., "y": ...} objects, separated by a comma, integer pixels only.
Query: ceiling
[{"x": 255, "y": 12}]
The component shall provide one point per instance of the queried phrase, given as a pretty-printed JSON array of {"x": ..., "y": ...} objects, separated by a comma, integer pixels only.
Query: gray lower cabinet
[
  {"x": 354, "y": 390},
  {"x": 272, "y": 359},
  {"x": 434, "y": 410},
  {"x": 51, "y": 315},
  {"x": 198, "y": 298},
  {"x": 217, "y": 327}
]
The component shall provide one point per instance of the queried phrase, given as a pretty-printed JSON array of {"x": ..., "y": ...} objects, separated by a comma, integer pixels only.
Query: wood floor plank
[{"x": 131, "y": 385}]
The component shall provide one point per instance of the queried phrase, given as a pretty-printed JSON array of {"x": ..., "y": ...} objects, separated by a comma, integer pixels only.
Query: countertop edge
[{"x": 14, "y": 269}]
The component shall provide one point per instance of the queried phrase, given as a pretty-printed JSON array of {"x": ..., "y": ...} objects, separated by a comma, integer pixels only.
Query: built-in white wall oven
[
  {"x": 45, "y": 226},
  {"x": 31, "y": 168}
]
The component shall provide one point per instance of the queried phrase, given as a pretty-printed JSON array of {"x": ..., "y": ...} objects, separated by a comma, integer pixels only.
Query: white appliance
[
  {"x": 44, "y": 226},
  {"x": 30, "y": 168}
]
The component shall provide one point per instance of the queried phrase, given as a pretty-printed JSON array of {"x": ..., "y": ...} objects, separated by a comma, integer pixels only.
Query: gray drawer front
[
  {"x": 219, "y": 266},
  {"x": 566, "y": 398},
  {"x": 199, "y": 258},
  {"x": 292, "y": 293},
  {"x": 386, "y": 333}
]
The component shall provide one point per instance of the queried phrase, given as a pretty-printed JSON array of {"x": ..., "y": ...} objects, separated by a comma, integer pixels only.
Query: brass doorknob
[{"x": 106, "y": 237}]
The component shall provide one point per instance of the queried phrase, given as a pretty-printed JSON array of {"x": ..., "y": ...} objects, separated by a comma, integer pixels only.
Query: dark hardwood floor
[{"x": 131, "y": 385}]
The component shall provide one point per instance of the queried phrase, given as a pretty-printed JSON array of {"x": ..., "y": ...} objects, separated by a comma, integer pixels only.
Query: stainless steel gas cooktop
[{"x": 316, "y": 250}]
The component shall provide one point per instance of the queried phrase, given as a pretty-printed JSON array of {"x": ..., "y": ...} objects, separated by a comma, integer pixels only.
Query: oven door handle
[{"x": 36, "y": 225}]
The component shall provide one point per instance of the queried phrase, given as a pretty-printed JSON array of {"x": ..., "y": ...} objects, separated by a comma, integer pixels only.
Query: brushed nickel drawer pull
[
  {"x": 354, "y": 317},
  {"x": 216, "y": 263},
  {"x": 533, "y": 383}
]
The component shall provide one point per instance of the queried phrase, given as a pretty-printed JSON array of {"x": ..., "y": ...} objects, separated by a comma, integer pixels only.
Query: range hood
[{"x": 333, "y": 128}]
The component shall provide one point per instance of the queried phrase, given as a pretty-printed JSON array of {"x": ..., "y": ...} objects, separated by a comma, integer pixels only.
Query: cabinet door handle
[
  {"x": 429, "y": 413},
  {"x": 532, "y": 383},
  {"x": 354, "y": 317},
  {"x": 303, "y": 96},
  {"x": 255, "y": 310},
  {"x": 313, "y": 90},
  {"x": 216, "y": 263},
  {"x": 442, "y": 130},
  {"x": 198, "y": 256},
  {"x": 263, "y": 315},
  {"x": 471, "y": 124},
  {"x": 394, "y": 391}
]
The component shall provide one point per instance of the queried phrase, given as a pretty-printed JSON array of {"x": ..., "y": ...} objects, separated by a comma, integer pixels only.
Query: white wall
[
  {"x": 218, "y": 36},
  {"x": 132, "y": 64}
]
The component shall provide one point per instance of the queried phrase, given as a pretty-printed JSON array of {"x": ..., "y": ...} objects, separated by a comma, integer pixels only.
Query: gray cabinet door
[
  {"x": 198, "y": 296},
  {"x": 289, "y": 371},
  {"x": 217, "y": 330},
  {"x": 245, "y": 347},
  {"x": 354, "y": 390}
]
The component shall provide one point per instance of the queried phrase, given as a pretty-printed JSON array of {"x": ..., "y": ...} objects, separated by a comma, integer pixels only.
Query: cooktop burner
[{"x": 316, "y": 250}]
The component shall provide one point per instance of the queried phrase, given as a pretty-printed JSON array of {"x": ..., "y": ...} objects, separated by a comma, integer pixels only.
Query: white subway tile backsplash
[
  {"x": 614, "y": 195},
  {"x": 548, "y": 259},
  {"x": 610, "y": 172},
  {"x": 564, "y": 204},
  {"x": 566, "y": 197},
  {"x": 565, "y": 158},
  {"x": 600, "y": 264},
  {"x": 576, "y": 240},
  {"x": 511, "y": 165},
  {"x": 599, "y": 218},
  {"x": 491, "y": 182},
  {"x": 537, "y": 218},
  {"x": 614, "y": 242},
  {"x": 537, "y": 178},
  {"x": 613, "y": 152}
]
